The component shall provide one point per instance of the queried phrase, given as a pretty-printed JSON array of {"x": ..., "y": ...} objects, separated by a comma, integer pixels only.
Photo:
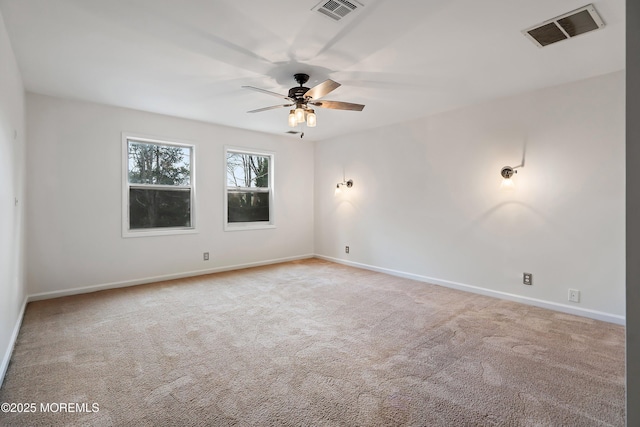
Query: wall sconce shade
[
  {"x": 507, "y": 172},
  {"x": 349, "y": 184}
]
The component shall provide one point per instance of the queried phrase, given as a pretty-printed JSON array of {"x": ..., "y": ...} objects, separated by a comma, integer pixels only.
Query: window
[
  {"x": 159, "y": 189},
  {"x": 249, "y": 190}
]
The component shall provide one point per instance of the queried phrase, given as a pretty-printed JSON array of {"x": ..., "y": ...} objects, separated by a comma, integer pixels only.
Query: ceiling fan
[{"x": 302, "y": 97}]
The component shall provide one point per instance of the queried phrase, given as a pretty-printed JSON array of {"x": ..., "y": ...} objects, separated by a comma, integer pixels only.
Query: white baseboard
[
  {"x": 142, "y": 281},
  {"x": 12, "y": 342},
  {"x": 592, "y": 314}
]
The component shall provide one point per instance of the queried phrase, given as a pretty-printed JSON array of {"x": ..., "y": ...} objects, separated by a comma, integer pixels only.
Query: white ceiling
[{"x": 403, "y": 58}]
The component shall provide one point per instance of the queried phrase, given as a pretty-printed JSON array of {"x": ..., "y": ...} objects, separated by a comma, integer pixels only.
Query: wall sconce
[
  {"x": 349, "y": 183},
  {"x": 507, "y": 172}
]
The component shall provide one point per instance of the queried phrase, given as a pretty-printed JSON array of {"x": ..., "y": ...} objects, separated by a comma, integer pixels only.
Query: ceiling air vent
[
  {"x": 337, "y": 9},
  {"x": 565, "y": 26}
]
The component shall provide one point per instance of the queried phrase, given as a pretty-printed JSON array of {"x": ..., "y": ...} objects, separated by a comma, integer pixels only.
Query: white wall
[
  {"x": 12, "y": 178},
  {"x": 426, "y": 199},
  {"x": 74, "y": 190}
]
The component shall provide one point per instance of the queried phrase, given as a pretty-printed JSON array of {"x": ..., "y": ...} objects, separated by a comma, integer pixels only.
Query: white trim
[
  {"x": 258, "y": 225},
  {"x": 242, "y": 226},
  {"x": 584, "y": 312},
  {"x": 12, "y": 341},
  {"x": 164, "y": 231},
  {"x": 142, "y": 281}
]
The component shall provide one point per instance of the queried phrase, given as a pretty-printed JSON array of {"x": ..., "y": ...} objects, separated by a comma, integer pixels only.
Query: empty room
[{"x": 322, "y": 213}]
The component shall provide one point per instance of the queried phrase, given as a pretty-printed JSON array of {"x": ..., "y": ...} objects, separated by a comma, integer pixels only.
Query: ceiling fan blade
[
  {"x": 268, "y": 92},
  {"x": 337, "y": 105},
  {"x": 322, "y": 89},
  {"x": 270, "y": 108}
]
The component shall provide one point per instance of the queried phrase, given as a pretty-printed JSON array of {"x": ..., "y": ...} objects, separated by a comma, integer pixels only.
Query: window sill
[
  {"x": 153, "y": 232},
  {"x": 242, "y": 226}
]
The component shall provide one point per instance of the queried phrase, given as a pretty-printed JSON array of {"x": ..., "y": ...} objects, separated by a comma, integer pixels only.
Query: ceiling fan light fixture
[
  {"x": 311, "y": 118},
  {"x": 302, "y": 97},
  {"x": 293, "y": 122}
]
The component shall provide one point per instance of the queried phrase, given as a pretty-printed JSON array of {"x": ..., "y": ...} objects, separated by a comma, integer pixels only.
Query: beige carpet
[{"x": 311, "y": 343}]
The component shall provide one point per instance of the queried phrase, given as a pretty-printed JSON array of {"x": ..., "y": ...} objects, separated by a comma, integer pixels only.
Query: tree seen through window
[
  {"x": 248, "y": 192},
  {"x": 160, "y": 193}
]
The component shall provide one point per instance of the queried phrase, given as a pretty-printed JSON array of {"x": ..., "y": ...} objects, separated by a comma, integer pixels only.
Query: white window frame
[
  {"x": 257, "y": 225},
  {"x": 160, "y": 231}
]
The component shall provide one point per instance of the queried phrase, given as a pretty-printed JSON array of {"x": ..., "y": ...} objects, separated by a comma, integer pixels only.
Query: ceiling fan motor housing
[{"x": 297, "y": 93}]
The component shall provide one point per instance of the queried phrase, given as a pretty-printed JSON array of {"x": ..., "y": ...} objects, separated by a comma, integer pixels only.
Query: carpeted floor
[{"x": 310, "y": 343}]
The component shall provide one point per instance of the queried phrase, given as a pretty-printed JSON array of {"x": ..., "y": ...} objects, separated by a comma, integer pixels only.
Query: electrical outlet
[
  {"x": 574, "y": 295},
  {"x": 527, "y": 278},
  {"x": 205, "y": 256},
  {"x": 346, "y": 249}
]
